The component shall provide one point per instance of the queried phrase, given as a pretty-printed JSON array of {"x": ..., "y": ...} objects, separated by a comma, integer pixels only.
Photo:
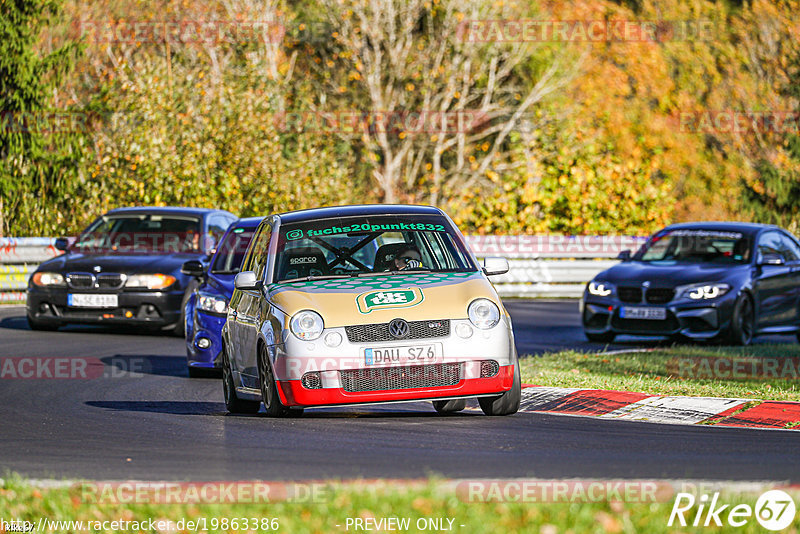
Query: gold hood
[{"x": 379, "y": 299}]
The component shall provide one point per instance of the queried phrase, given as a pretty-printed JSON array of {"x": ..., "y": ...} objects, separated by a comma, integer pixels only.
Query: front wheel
[
  {"x": 449, "y": 406},
  {"x": 269, "y": 388},
  {"x": 508, "y": 402},
  {"x": 743, "y": 321}
]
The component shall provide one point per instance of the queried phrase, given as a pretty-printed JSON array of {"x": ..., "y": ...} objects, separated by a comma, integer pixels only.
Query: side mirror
[
  {"x": 495, "y": 266},
  {"x": 62, "y": 243},
  {"x": 624, "y": 255},
  {"x": 193, "y": 268},
  {"x": 246, "y": 281},
  {"x": 772, "y": 259}
]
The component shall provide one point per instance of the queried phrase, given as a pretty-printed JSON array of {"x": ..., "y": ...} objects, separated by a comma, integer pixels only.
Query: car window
[
  {"x": 144, "y": 233},
  {"x": 260, "y": 251},
  {"x": 249, "y": 260},
  {"x": 217, "y": 225},
  {"x": 770, "y": 243},
  {"x": 370, "y": 244},
  {"x": 696, "y": 246},
  {"x": 789, "y": 249},
  {"x": 230, "y": 253}
]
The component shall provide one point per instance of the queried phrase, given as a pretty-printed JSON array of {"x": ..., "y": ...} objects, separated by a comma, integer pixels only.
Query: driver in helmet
[{"x": 407, "y": 258}]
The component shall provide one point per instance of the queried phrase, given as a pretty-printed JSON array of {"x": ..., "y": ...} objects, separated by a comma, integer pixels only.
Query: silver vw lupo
[{"x": 366, "y": 304}]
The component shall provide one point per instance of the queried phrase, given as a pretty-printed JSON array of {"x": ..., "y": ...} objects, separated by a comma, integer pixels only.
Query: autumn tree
[
  {"x": 405, "y": 62},
  {"x": 39, "y": 144}
]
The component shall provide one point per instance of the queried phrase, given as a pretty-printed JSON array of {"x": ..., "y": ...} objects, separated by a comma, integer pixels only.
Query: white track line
[
  {"x": 680, "y": 410},
  {"x": 533, "y": 398}
]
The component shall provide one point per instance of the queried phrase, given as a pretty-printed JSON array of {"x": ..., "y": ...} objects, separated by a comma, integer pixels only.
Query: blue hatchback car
[{"x": 207, "y": 307}]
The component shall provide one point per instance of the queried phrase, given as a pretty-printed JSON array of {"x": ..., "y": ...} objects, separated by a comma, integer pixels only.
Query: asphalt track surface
[{"x": 145, "y": 419}]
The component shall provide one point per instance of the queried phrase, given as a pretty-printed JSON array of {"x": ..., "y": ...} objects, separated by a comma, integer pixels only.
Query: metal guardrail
[
  {"x": 19, "y": 257},
  {"x": 550, "y": 265},
  {"x": 540, "y": 265}
]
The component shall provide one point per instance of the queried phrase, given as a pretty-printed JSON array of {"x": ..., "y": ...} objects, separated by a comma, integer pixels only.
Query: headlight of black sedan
[
  {"x": 707, "y": 291},
  {"x": 600, "y": 289},
  {"x": 45, "y": 279}
]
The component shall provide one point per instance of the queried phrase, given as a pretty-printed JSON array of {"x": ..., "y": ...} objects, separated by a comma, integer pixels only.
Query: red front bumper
[{"x": 292, "y": 393}]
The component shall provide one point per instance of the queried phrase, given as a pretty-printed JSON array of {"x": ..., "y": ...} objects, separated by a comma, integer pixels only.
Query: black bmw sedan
[
  {"x": 125, "y": 268},
  {"x": 721, "y": 281}
]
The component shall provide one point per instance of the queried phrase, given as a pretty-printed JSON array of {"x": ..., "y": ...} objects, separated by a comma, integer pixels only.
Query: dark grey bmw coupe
[{"x": 720, "y": 280}]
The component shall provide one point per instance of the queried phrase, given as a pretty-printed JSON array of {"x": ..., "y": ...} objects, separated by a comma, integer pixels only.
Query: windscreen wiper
[
  {"x": 396, "y": 271},
  {"x": 315, "y": 277}
]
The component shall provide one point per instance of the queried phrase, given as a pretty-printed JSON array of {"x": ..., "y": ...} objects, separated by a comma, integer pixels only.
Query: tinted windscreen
[
  {"x": 231, "y": 252},
  {"x": 362, "y": 245},
  {"x": 141, "y": 233},
  {"x": 696, "y": 246}
]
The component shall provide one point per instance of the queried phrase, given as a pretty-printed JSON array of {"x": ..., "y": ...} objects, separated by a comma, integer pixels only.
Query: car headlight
[
  {"x": 307, "y": 325},
  {"x": 212, "y": 304},
  {"x": 483, "y": 313},
  {"x": 48, "y": 279},
  {"x": 705, "y": 291},
  {"x": 600, "y": 289},
  {"x": 150, "y": 281}
]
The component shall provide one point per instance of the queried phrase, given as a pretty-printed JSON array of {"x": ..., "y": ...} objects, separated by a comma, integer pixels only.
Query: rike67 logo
[
  {"x": 401, "y": 298},
  {"x": 774, "y": 510}
]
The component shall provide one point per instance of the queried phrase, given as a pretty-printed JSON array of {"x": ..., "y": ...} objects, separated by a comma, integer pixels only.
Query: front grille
[
  {"x": 110, "y": 281},
  {"x": 630, "y": 294},
  {"x": 80, "y": 280},
  {"x": 312, "y": 380},
  {"x": 659, "y": 295},
  {"x": 646, "y": 326},
  {"x": 368, "y": 333},
  {"x": 391, "y": 378},
  {"x": 489, "y": 368}
]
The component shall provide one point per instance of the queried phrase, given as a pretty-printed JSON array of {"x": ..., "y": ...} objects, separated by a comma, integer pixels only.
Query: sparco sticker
[{"x": 381, "y": 299}]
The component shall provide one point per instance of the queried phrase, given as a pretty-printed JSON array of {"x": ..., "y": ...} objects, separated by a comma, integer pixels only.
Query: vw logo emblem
[
  {"x": 398, "y": 328},
  {"x": 645, "y": 284}
]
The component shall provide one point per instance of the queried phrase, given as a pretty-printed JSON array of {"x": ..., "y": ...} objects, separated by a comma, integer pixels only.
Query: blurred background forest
[{"x": 571, "y": 137}]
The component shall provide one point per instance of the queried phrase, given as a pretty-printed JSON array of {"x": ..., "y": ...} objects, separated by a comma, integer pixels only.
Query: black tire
[
  {"x": 233, "y": 403},
  {"x": 449, "y": 406},
  {"x": 42, "y": 326},
  {"x": 203, "y": 372},
  {"x": 605, "y": 337},
  {"x": 194, "y": 372},
  {"x": 269, "y": 389},
  {"x": 508, "y": 402},
  {"x": 180, "y": 327},
  {"x": 743, "y": 322}
]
